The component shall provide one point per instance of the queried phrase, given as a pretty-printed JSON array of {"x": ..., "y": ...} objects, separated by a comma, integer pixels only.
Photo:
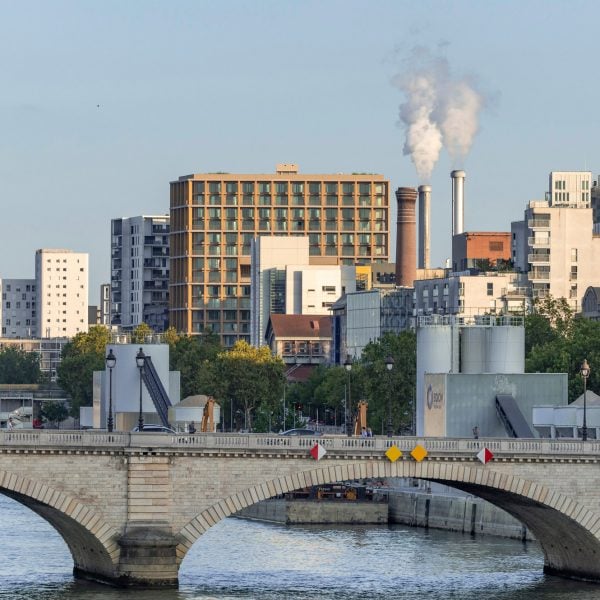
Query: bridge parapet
[{"x": 264, "y": 443}]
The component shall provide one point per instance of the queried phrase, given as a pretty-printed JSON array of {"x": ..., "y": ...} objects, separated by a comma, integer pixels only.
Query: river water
[{"x": 242, "y": 559}]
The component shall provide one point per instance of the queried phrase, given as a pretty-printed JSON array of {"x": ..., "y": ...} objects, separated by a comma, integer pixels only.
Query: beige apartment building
[
  {"x": 555, "y": 244},
  {"x": 215, "y": 217}
]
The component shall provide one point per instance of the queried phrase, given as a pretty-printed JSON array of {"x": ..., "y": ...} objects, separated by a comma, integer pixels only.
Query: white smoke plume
[{"x": 438, "y": 109}]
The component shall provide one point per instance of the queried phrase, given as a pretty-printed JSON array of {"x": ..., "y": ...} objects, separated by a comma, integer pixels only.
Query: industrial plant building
[
  {"x": 471, "y": 379},
  {"x": 140, "y": 272},
  {"x": 215, "y": 217}
]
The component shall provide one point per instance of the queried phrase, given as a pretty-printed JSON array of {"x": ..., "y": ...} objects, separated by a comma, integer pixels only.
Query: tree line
[{"x": 250, "y": 384}]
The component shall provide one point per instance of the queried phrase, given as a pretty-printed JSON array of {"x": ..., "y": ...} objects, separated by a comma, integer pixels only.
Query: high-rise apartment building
[
  {"x": 140, "y": 272},
  {"x": 215, "y": 217},
  {"x": 18, "y": 310},
  {"x": 62, "y": 291},
  {"x": 555, "y": 244}
]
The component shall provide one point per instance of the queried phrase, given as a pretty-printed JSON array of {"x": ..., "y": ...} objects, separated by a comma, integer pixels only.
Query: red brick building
[{"x": 480, "y": 249}]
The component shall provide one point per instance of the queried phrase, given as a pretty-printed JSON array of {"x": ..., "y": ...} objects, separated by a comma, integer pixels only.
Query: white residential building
[
  {"x": 286, "y": 280},
  {"x": 555, "y": 244},
  {"x": 469, "y": 295},
  {"x": 18, "y": 308},
  {"x": 140, "y": 272},
  {"x": 62, "y": 286}
]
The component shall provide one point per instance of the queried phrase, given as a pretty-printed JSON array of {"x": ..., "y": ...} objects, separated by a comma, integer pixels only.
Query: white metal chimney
[
  {"x": 424, "y": 227},
  {"x": 458, "y": 202}
]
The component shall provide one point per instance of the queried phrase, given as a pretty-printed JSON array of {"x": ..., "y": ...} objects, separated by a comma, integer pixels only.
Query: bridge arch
[
  {"x": 566, "y": 530},
  {"x": 91, "y": 541}
]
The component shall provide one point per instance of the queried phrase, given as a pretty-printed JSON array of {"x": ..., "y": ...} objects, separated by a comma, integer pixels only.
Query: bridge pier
[{"x": 147, "y": 559}]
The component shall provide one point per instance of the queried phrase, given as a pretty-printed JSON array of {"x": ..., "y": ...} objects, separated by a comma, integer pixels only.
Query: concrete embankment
[
  {"x": 414, "y": 503},
  {"x": 296, "y": 512},
  {"x": 465, "y": 514}
]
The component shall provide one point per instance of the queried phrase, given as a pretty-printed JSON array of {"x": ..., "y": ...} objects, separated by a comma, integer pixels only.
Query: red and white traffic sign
[
  {"x": 484, "y": 455},
  {"x": 318, "y": 452}
]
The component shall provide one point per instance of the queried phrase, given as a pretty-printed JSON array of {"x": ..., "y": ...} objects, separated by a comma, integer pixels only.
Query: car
[
  {"x": 151, "y": 428},
  {"x": 300, "y": 432}
]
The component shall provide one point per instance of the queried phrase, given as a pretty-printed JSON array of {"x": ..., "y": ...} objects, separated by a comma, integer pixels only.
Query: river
[{"x": 243, "y": 559}]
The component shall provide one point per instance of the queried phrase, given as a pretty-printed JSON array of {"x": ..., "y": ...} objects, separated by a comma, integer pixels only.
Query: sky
[{"x": 103, "y": 103}]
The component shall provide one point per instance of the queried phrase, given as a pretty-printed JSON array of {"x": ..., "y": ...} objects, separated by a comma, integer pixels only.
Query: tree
[
  {"x": 194, "y": 357},
  {"x": 83, "y": 355},
  {"x": 140, "y": 333},
  {"x": 558, "y": 342},
  {"x": 54, "y": 412},
  {"x": 250, "y": 378},
  {"x": 396, "y": 385},
  {"x": 18, "y": 366}
]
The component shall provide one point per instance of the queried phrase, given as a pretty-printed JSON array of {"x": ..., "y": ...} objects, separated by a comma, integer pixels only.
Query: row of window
[{"x": 283, "y": 187}]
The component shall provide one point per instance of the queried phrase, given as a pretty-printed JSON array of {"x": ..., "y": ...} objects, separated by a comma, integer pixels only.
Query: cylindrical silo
[
  {"x": 406, "y": 250},
  {"x": 424, "y": 226},
  {"x": 458, "y": 201},
  {"x": 437, "y": 352},
  {"x": 472, "y": 349},
  {"x": 505, "y": 349}
]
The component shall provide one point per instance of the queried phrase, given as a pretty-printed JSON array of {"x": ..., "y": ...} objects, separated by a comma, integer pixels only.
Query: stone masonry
[{"x": 130, "y": 506}]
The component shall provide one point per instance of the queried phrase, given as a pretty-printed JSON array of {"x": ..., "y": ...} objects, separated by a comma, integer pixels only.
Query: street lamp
[
  {"x": 348, "y": 367},
  {"x": 111, "y": 361},
  {"x": 389, "y": 365},
  {"x": 140, "y": 360},
  {"x": 585, "y": 373}
]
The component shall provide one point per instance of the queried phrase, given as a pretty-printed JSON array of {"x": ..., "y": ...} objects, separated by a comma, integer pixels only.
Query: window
[
  {"x": 573, "y": 254},
  {"x": 490, "y": 289},
  {"x": 496, "y": 246}
]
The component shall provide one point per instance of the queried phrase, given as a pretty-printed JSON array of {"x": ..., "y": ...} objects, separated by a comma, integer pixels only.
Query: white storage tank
[
  {"x": 437, "y": 352},
  {"x": 473, "y": 349},
  {"x": 505, "y": 349}
]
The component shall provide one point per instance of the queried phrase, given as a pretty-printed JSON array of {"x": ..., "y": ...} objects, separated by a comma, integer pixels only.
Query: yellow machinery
[
  {"x": 360, "y": 421},
  {"x": 208, "y": 423}
]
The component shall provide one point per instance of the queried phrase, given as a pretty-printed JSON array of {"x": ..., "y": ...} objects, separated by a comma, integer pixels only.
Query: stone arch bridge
[{"x": 131, "y": 505}]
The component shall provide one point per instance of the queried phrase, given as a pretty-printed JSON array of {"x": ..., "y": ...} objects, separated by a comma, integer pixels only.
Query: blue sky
[{"x": 238, "y": 86}]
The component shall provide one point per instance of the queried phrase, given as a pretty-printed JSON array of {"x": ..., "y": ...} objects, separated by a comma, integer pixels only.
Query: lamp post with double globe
[
  {"x": 348, "y": 367},
  {"x": 140, "y": 360},
  {"x": 585, "y": 373},
  {"x": 111, "y": 361},
  {"x": 389, "y": 365}
]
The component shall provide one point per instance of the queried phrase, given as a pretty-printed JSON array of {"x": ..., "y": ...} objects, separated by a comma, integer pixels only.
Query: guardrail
[{"x": 261, "y": 443}]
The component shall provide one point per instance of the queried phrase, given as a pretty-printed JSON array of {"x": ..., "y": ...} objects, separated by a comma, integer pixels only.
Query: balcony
[
  {"x": 538, "y": 223},
  {"x": 535, "y": 275},
  {"x": 539, "y": 242},
  {"x": 515, "y": 291},
  {"x": 538, "y": 258}
]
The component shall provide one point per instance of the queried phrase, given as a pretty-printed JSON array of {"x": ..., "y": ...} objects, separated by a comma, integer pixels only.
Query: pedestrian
[
  {"x": 369, "y": 432},
  {"x": 191, "y": 427},
  {"x": 476, "y": 432},
  {"x": 9, "y": 424},
  {"x": 363, "y": 433}
]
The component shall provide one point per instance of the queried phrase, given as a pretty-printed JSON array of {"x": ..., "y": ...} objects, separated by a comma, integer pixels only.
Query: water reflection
[{"x": 240, "y": 559}]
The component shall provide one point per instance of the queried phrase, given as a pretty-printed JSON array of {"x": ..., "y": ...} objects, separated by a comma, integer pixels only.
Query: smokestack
[
  {"x": 424, "y": 226},
  {"x": 458, "y": 202},
  {"x": 406, "y": 251}
]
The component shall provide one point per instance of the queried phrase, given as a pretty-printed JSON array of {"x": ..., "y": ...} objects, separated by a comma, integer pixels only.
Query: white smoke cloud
[
  {"x": 423, "y": 137},
  {"x": 438, "y": 110}
]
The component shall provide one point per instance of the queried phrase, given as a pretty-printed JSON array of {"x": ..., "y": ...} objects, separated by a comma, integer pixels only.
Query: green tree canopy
[
  {"x": 18, "y": 366},
  {"x": 392, "y": 388},
  {"x": 83, "y": 355},
  {"x": 54, "y": 412},
  {"x": 194, "y": 357},
  {"x": 252, "y": 379}
]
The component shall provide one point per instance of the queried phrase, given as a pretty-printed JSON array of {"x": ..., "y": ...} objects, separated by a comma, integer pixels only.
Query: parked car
[
  {"x": 300, "y": 432},
  {"x": 151, "y": 428}
]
